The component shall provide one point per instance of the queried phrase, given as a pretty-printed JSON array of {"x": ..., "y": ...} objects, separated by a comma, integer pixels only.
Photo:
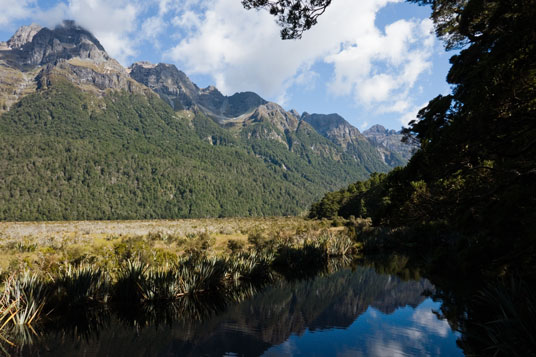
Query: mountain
[
  {"x": 177, "y": 90},
  {"x": 82, "y": 137},
  {"x": 260, "y": 123},
  {"x": 339, "y": 131},
  {"x": 389, "y": 144}
]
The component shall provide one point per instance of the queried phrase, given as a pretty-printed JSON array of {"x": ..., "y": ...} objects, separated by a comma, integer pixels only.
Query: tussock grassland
[{"x": 45, "y": 246}]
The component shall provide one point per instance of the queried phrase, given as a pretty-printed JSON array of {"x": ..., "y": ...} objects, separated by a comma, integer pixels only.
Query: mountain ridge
[
  {"x": 146, "y": 142},
  {"x": 389, "y": 144}
]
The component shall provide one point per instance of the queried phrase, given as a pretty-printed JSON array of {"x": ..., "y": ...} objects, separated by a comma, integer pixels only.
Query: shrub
[{"x": 235, "y": 245}]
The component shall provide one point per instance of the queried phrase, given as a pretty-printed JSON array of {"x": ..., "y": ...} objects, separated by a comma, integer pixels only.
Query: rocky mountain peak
[
  {"x": 162, "y": 76},
  {"x": 379, "y": 129},
  {"x": 181, "y": 93},
  {"x": 24, "y": 35},
  {"x": 143, "y": 64},
  {"x": 276, "y": 115},
  {"x": 388, "y": 143},
  {"x": 334, "y": 127},
  {"x": 327, "y": 123},
  {"x": 41, "y": 46},
  {"x": 172, "y": 85},
  {"x": 294, "y": 112},
  {"x": 37, "y": 57},
  {"x": 210, "y": 89}
]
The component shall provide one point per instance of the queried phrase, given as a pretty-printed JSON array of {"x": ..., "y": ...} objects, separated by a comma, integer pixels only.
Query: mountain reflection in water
[{"x": 357, "y": 312}]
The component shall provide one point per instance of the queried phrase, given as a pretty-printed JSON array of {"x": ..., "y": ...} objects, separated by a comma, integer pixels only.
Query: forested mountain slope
[{"x": 82, "y": 137}]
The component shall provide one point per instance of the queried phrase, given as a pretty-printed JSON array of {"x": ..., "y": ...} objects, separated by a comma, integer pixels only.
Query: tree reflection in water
[{"x": 251, "y": 319}]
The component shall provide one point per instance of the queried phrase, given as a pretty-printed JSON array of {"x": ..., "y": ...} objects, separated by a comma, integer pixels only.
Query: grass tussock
[{"x": 27, "y": 295}]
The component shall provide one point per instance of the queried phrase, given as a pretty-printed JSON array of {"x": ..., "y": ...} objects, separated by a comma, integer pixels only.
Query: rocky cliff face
[
  {"x": 340, "y": 132},
  {"x": 173, "y": 86},
  {"x": 34, "y": 57},
  {"x": 334, "y": 127},
  {"x": 40, "y": 46},
  {"x": 181, "y": 93},
  {"x": 254, "y": 118},
  {"x": 389, "y": 144},
  {"x": 24, "y": 35}
]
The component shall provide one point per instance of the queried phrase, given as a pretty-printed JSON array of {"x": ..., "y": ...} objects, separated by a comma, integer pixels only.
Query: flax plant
[{"x": 28, "y": 292}]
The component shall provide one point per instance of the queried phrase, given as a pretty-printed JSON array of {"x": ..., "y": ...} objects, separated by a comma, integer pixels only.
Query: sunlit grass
[{"x": 47, "y": 246}]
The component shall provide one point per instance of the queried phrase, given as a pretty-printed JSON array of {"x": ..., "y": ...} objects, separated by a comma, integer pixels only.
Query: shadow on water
[{"x": 251, "y": 319}]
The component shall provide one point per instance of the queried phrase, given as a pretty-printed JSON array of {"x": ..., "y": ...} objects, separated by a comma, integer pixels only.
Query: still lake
[{"x": 351, "y": 312}]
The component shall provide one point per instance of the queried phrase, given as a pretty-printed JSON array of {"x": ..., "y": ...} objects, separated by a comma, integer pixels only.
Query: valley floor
[{"x": 42, "y": 245}]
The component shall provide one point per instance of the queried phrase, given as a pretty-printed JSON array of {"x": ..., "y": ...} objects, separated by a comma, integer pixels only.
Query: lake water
[{"x": 347, "y": 313}]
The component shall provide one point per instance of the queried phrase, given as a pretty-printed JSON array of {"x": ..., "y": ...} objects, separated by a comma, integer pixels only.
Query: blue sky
[{"x": 372, "y": 61}]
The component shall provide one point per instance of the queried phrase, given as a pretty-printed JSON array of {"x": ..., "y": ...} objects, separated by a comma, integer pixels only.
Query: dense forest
[
  {"x": 68, "y": 154},
  {"x": 472, "y": 184}
]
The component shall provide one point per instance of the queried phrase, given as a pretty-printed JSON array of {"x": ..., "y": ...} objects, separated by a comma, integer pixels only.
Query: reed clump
[
  {"x": 82, "y": 284},
  {"x": 27, "y": 294}
]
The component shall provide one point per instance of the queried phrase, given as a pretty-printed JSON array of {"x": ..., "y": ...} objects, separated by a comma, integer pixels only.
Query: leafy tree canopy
[
  {"x": 476, "y": 169},
  {"x": 294, "y": 16}
]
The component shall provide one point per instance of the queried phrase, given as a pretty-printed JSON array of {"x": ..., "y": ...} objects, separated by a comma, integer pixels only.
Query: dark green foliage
[
  {"x": 299, "y": 263},
  {"x": 474, "y": 175},
  {"x": 361, "y": 199},
  {"x": 68, "y": 155},
  {"x": 294, "y": 16},
  {"x": 476, "y": 166},
  {"x": 79, "y": 285},
  {"x": 500, "y": 320},
  {"x": 129, "y": 280}
]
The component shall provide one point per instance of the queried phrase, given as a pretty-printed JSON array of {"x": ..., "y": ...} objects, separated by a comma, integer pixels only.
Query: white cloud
[
  {"x": 430, "y": 322},
  {"x": 164, "y": 6},
  {"x": 242, "y": 50},
  {"x": 382, "y": 68},
  {"x": 52, "y": 16},
  {"x": 111, "y": 21},
  {"x": 188, "y": 20},
  {"x": 307, "y": 78},
  {"x": 411, "y": 114},
  {"x": 15, "y": 10},
  {"x": 388, "y": 349},
  {"x": 152, "y": 27}
]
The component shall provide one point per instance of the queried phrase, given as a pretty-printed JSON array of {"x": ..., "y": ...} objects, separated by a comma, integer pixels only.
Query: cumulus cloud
[
  {"x": 383, "y": 67},
  {"x": 15, "y": 10},
  {"x": 111, "y": 21},
  {"x": 388, "y": 349},
  {"x": 411, "y": 113},
  {"x": 242, "y": 51},
  {"x": 430, "y": 322},
  {"x": 152, "y": 27}
]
